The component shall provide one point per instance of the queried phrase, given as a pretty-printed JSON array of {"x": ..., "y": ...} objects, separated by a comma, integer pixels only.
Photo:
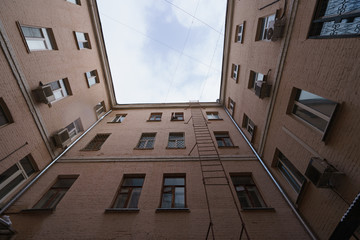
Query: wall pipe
[{"x": 22, "y": 191}]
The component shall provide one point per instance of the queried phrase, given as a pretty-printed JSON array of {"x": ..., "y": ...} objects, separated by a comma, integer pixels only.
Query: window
[
  {"x": 77, "y": 2},
  {"x": 129, "y": 192},
  {"x": 38, "y": 39},
  {"x": 177, "y": 116},
  {"x": 96, "y": 143},
  {"x": 249, "y": 125},
  {"x": 92, "y": 78},
  {"x": 264, "y": 26},
  {"x": 74, "y": 128},
  {"x": 60, "y": 89},
  {"x": 231, "y": 106},
  {"x": 254, "y": 78},
  {"x": 314, "y": 110},
  {"x": 15, "y": 175},
  {"x": 289, "y": 171},
  {"x": 223, "y": 139},
  {"x": 235, "y": 70},
  {"x": 82, "y": 40},
  {"x": 53, "y": 196},
  {"x": 247, "y": 192},
  {"x": 100, "y": 109},
  {"x": 155, "y": 117},
  {"x": 146, "y": 141},
  {"x": 5, "y": 116},
  {"x": 173, "y": 192},
  {"x": 336, "y": 18},
  {"x": 176, "y": 140},
  {"x": 239, "y": 33},
  {"x": 213, "y": 115},
  {"x": 119, "y": 118}
]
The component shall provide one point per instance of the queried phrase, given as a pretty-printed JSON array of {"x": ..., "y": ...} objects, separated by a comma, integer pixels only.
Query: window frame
[
  {"x": 235, "y": 70},
  {"x": 213, "y": 114},
  {"x": 248, "y": 196},
  {"x": 129, "y": 193},
  {"x": 180, "y": 116},
  {"x": 239, "y": 33},
  {"x": 294, "y": 103},
  {"x": 250, "y": 126},
  {"x": 96, "y": 142},
  {"x": 47, "y": 38},
  {"x": 92, "y": 75},
  {"x": 221, "y": 136},
  {"x": 173, "y": 191},
  {"x": 100, "y": 109},
  {"x": 255, "y": 77},
  {"x": 86, "y": 41},
  {"x": 75, "y": 2},
  {"x": 231, "y": 106},
  {"x": 75, "y": 128},
  {"x": 64, "y": 89},
  {"x": 143, "y": 135},
  {"x": 153, "y": 117},
  {"x": 119, "y": 118},
  {"x": 177, "y": 142},
  {"x": 263, "y": 26},
  {"x": 6, "y": 113}
]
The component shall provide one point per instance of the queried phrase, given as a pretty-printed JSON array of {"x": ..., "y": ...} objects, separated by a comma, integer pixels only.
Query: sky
[{"x": 164, "y": 51}]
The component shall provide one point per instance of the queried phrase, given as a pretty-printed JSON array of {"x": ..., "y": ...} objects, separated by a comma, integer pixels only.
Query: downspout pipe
[
  {"x": 22, "y": 191},
  {"x": 287, "y": 199}
]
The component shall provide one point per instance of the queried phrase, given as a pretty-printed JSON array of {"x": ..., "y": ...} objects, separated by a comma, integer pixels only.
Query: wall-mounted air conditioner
[
  {"x": 320, "y": 172},
  {"x": 276, "y": 29},
  {"x": 44, "y": 94},
  {"x": 262, "y": 89},
  {"x": 62, "y": 138}
]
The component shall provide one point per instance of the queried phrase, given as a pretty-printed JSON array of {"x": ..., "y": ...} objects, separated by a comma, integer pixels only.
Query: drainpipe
[
  {"x": 293, "y": 208},
  {"x": 22, "y": 191}
]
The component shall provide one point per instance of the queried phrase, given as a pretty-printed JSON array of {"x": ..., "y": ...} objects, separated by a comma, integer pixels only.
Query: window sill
[
  {"x": 159, "y": 210},
  {"x": 122, "y": 210},
  {"x": 218, "y": 119},
  {"x": 143, "y": 148},
  {"x": 228, "y": 147},
  {"x": 266, "y": 209},
  {"x": 175, "y": 148},
  {"x": 153, "y": 120},
  {"x": 38, "y": 210},
  {"x": 176, "y": 120}
]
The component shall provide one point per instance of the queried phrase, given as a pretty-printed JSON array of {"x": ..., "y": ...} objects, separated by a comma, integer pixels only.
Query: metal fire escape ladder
[{"x": 212, "y": 169}]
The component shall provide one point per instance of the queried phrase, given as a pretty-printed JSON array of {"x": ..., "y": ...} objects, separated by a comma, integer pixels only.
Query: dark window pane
[
  {"x": 11, "y": 185},
  {"x": 28, "y": 167},
  {"x": 174, "y": 182},
  {"x": 32, "y": 32},
  {"x": 243, "y": 199},
  {"x": 255, "y": 197},
  {"x": 120, "y": 201},
  {"x": 64, "y": 183},
  {"x": 289, "y": 177},
  {"x": 242, "y": 180},
  {"x": 134, "y": 198},
  {"x": 318, "y": 103},
  {"x": 307, "y": 116},
  {"x": 179, "y": 197},
  {"x": 133, "y": 182},
  {"x": 166, "y": 200},
  {"x": 10, "y": 171},
  {"x": 3, "y": 119}
]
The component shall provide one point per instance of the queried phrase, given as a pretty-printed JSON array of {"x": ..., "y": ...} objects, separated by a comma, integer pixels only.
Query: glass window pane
[
  {"x": 318, "y": 103},
  {"x": 289, "y": 177},
  {"x": 46, "y": 198},
  {"x": 255, "y": 197},
  {"x": 242, "y": 180},
  {"x": 179, "y": 197},
  {"x": 31, "y": 32},
  {"x": 64, "y": 182},
  {"x": 120, "y": 201},
  {"x": 27, "y": 166},
  {"x": 134, "y": 198},
  {"x": 166, "y": 200},
  {"x": 307, "y": 116},
  {"x": 80, "y": 36},
  {"x": 10, "y": 171},
  {"x": 133, "y": 182},
  {"x": 243, "y": 199},
  {"x": 36, "y": 44},
  {"x": 3, "y": 119},
  {"x": 174, "y": 181},
  {"x": 56, "y": 199},
  {"x": 11, "y": 185}
]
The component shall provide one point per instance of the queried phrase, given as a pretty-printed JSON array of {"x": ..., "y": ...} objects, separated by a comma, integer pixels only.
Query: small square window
[
  {"x": 77, "y": 2},
  {"x": 231, "y": 106},
  {"x": 83, "y": 40},
  {"x": 55, "y": 193},
  {"x": 129, "y": 192},
  {"x": 289, "y": 171},
  {"x": 92, "y": 78},
  {"x": 256, "y": 77},
  {"x": 155, "y": 117},
  {"x": 96, "y": 143},
  {"x": 235, "y": 72},
  {"x": 60, "y": 89},
  {"x": 119, "y": 118},
  {"x": 74, "y": 128},
  {"x": 313, "y": 109},
  {"x": 213, "y": 116},
  {"x": 240, "y": 32},
  {"x": 223, "y": 139},
  {"x": 173, "y": 192},
  {"x": 176, "y": 140},
  {"x": 177, "y": 116},
  {"x": 100, "y": 109},
  {"x": 264, "y": 25},
  {"x": 5, "y": 116},
  {"x": 247, "y": 192},
  {"x": 38, "y": 38},
  {"x": 146, "y": 141}
]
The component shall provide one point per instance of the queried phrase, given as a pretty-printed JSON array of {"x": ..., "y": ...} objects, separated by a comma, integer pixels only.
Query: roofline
[{"x": 165, "y": 105}]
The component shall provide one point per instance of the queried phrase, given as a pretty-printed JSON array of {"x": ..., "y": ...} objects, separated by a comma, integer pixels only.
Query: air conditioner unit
[
  {"x": 319, "y": 171},
  {"x": 44, "y": 94},
  {"x": 275, "y": 29},
  {"x": 62, "y": 138},
  {"x": 262, "y": 89}
]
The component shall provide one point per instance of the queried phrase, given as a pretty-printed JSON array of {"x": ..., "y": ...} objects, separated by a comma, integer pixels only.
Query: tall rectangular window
[
  {"x": 11, "y": 178},
  {"x": 92, "y": 78},
  {"x": 176, "y": 140},
  {"x": 155, "y": 117},
  {"x": 96, "y": 143},
  {"x": 53, "y": 196},
  {"x": 248, "y": 125},
  {"x": 129, "y": 192},
  {"x": 289, "y": 171},
  {"x": 235, "y": 72},
  {"x": 264, "y": 25},
  {"x": 82, "y": 40},
  {"x": 173, "y": 192},
  {"x": 231, "y": 106},
  {"x": 5, "y": 116},
  {"x": 223, "y": 139},
  {"x": 38, "y": 39},
  {"x": 336, "y": 18},
  {"x": 254, "y": 78},
  {"x": 313, "y": 109},
  {"x": 177, "y": 116},
  {"x": 100, "y": 109},
  {"x": 239, "y": 33},
  {"x": 146, "y": 141},
  {"x": 247, "y": 192}
]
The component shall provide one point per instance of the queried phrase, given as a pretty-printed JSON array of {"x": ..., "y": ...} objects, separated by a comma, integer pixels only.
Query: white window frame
[
  {"x": 93, "y": 78},
  {"x": 75, "y": 128},
  {"x": 76, "y": 2},
  {"x": 240, "y": 32},
  {"x": 100, "y": 109},
  {"x": 60, "y": 93},
  {"x": 176, "y": 115},
  {"x": 264, "y": 26},
  {"x": 235, "y": 71},
  {"x": 45, "y": 39},
  {"x": 86, "y": 37},
  {"x": 212, "y": 115}
]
